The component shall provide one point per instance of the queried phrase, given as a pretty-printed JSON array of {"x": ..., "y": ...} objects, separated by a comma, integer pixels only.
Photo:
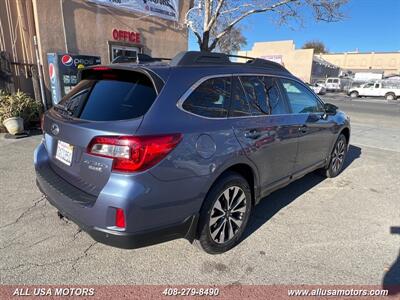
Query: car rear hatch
[{"x": 106, "y": 102}]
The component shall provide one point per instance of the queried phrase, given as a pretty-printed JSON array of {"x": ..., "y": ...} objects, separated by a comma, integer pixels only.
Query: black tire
[
  {"x": 390, "y": 96},
  {"x": 230, "y": 182},
  {"x": 354, "y": 94},
  {"x": 337, "y": 158}
]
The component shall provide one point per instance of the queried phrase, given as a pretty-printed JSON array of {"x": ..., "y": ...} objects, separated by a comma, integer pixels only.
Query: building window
[{"x": 118, "y": 50}]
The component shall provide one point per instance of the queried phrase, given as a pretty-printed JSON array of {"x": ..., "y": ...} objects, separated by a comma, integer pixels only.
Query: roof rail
[{"x": 196, "y": 58}]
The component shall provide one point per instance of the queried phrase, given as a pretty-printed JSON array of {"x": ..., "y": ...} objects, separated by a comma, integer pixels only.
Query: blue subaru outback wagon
[{"x": 139, "y": 154}]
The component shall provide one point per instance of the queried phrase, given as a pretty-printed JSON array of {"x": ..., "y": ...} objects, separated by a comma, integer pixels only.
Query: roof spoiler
[{"x": 141, "y": 58}]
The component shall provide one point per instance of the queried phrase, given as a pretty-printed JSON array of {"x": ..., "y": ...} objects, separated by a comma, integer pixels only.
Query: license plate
[{"x": 64, "y": 152}]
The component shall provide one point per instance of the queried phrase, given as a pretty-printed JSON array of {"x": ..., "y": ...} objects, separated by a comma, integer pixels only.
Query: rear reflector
[
  {"x": 134, "y": 153},
  {"x": 120, "y": 218}
]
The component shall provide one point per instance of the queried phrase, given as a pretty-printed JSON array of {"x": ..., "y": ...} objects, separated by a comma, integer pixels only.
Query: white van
[{"x": 333, "y": 84}]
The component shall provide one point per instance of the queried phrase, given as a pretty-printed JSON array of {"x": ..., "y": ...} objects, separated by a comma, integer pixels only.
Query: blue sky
[{"x": 370, "y": 25}]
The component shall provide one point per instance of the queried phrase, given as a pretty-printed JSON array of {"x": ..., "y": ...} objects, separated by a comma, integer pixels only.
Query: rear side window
[
  {"x": 263, "y": 95},
  {"x": 276, "y": 104},
  {"x": 110, "y": 96},
  {"x": 256, "y": 94},
  {"x": 239, "y": 104},
  {"x": 210, "y": 99},
  {"x": 300, "y": 98}
]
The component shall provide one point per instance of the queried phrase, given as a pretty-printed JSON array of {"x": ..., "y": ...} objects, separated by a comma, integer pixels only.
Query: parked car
[
  {"x": 320, "y": 83},
  {"x": 375, "y": 89},
  {"x": 318, "y": 89},
  {"x": 142, "y": 154},
  {"x": 332, "y": 84}
]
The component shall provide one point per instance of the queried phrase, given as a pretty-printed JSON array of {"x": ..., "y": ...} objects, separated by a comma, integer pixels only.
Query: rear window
[
  {"x": 110, "y": 96},
  {"x": 211, "y": 99}
]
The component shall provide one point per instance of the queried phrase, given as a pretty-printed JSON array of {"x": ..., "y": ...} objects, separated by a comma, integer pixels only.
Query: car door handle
[
  {"x": 252, "y": 134},
  {"x": 303, "y": 129}
]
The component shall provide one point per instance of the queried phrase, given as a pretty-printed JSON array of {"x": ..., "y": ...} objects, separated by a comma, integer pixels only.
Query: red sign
[{"x": 126, "y": 36}]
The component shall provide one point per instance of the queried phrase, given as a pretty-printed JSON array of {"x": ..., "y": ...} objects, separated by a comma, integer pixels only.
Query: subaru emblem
[{"x": 55, "y": 129}]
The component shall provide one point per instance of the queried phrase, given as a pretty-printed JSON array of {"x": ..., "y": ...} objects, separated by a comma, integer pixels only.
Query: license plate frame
[{"x": 64, "y": 152}]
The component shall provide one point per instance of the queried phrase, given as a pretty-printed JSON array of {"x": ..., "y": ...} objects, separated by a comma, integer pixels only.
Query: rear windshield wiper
[{"x": 64, "y": 109}]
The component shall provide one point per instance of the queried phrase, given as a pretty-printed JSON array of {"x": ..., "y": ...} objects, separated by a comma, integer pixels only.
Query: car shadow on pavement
[
  {"x": 353, "y": 153},
  {"x": 277, "y": 200},
  {"x": 391, "y": 280}
]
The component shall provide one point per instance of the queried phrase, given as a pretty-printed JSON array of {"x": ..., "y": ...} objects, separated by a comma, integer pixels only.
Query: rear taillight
[{"x": 134, "y": 153}]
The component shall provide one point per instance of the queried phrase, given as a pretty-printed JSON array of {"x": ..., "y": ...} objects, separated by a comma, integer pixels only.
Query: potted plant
[{"x": 15, "y": 109}]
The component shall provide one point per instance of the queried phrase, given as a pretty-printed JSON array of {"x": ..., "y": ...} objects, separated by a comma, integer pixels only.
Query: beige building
[
  {"x": 386, "y": 62},
  {"x": 305, "y": 65},
  {"x": 79, "y": 27},
  {"x": 297, "y": 61}
]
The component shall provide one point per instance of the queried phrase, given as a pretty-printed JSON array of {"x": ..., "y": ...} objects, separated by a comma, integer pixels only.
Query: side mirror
[{"x": 330, "y": 109}]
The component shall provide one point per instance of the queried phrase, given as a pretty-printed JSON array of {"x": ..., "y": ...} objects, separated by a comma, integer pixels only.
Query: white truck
[{"x": 376, "y": 89}]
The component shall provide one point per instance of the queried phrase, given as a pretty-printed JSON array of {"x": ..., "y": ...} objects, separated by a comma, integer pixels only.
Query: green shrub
[{"x": 18, "y": 105}]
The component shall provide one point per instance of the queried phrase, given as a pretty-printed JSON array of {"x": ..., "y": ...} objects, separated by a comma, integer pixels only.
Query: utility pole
[
  {"x": 63, "y": 25},
  {"x": 40, "y": 74}
]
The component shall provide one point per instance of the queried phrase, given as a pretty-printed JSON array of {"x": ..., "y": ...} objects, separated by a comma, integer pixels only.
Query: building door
[{"x": 124, "y": 51}]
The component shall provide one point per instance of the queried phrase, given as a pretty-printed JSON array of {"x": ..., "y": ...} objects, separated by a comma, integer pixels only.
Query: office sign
[
  {"x": 166, "y": 9},
  {"x": 126, "y": 36}
]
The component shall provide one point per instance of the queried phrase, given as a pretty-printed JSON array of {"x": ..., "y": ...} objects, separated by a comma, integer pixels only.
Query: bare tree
[
  {"x": 318, "y": 46},
  {"x": 206, "y": 17},
  {"x": 232, "y": 41}
]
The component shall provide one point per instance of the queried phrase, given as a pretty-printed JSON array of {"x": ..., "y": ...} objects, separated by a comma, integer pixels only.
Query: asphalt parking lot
[{"x": 344, "y": 230}]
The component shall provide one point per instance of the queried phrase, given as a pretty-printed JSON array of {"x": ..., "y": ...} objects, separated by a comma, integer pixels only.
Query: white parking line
[{"x": 375, "y": 147}]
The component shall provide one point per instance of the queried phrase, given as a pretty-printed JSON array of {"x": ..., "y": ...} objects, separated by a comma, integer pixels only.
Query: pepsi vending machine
[{"x": 63, "y": 72}]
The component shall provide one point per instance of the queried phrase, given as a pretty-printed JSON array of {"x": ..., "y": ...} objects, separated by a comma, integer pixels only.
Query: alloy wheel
[
  {"x": 338, "y": 156},
  {"x": 227, "y": 214}
]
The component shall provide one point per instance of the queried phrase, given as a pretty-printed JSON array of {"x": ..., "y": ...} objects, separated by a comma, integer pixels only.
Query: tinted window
[
  {"x": 210, "y": 99},
  {"x": 256, "y": 94},
  {"x": 239, "y": 105},
  {"x": 111, "y": 96},
  {"x": 300, "y": 98},
  {"x": 276, "y": 105}
]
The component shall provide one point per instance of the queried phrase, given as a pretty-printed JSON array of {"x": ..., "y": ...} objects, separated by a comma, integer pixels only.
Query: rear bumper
[
  {"x": 126, "y": 240},
  {"x": 92, "y": 214}
]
